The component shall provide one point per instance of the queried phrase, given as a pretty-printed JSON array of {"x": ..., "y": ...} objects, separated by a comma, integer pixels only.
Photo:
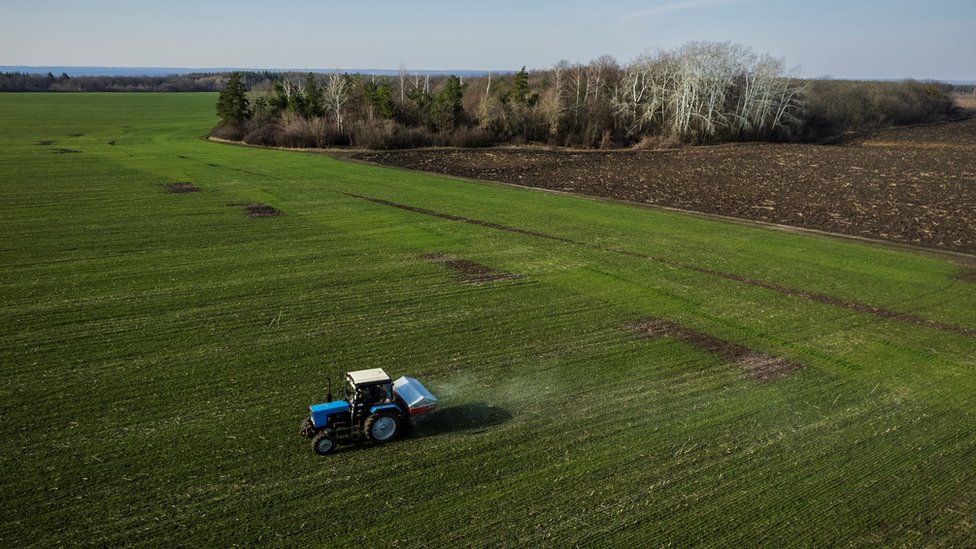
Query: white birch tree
[{"x": 336, "y": 93}]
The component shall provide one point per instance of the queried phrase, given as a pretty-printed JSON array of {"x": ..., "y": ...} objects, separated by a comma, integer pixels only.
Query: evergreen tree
[
  {"x": 520, "y": 88},
  {"x": 279, "y": 98},
  {"x": 421, "y": 105},
  {"x": 233, "y": 107},
  {"x": 312, "y": 105},
  {"x": 380, "y": 97},
  {"x": 447, "y": 110}
]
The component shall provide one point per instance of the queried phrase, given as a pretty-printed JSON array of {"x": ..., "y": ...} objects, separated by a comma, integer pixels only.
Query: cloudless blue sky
[{"x": 849, "y": 39}]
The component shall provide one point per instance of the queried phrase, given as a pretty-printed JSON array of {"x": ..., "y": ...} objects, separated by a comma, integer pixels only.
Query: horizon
[
  {"x": 868, "y": 40},
  {"x": 106, "y": 71}
]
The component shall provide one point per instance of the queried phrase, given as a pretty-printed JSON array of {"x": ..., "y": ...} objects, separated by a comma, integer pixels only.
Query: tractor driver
[
  {"x": 377, "y": 394},
  {"x": 381, "y": 394}
]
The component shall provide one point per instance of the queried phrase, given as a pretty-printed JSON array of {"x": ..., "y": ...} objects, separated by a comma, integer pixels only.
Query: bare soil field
[
  {"x": 966, "y": 101},
  {"x": 912, "y": 185}
]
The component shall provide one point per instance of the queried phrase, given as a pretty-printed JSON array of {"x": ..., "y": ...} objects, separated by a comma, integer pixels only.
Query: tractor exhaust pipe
[{"x": 328, "y": 396}]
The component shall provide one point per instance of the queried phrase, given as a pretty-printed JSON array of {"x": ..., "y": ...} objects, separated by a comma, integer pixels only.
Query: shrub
[
  {"x": 838, "y": 106},
  {"x": 262, "y": 134},
  {"x": 230, "y": 133}
]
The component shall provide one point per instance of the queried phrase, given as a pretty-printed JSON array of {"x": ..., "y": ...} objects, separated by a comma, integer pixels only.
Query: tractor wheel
[
  {"x": 324, "y": 442},
  {"x": 382, "y": 427},
  {"x": 306, "y": 429}
]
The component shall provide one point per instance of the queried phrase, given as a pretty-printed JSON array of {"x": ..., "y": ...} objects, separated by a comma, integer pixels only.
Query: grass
[{"x": 158, "y": 351}]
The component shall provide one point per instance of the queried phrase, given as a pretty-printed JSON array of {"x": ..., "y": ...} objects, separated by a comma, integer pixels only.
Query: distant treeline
[
  {"x": 699, "y": 93},
  {"x": 196, "y": 82}
]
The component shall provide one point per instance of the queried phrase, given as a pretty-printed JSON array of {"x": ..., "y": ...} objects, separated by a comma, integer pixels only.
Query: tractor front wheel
[
  {"x": 324, "y": 442},
  {"x": 382, "y": 426},
  {"x": 306, "y": 429}
]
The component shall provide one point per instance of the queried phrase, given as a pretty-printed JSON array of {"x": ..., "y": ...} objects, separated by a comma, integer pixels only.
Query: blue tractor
[{"x": 373, "y": 408}]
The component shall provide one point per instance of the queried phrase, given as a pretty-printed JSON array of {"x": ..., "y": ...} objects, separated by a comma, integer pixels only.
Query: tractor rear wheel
[
  {"x": 324, "y": 442},
  {"x": 382, "y": 426}
]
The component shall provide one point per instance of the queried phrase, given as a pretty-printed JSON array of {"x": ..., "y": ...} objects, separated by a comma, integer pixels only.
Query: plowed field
[{"x": 911, "y": 185}]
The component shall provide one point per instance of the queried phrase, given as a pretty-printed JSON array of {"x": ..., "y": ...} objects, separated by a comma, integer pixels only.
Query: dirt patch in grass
[
  {"x": 112, "y": 142},
  {"x": 658, "y": 327},
  {"x": 75, "y": 134},
  {"x": 765, "y": 368},
  {"x": 65, "y": 151},
  {"x": 469, "y": 272},
  {"x": 47, "y": 142},
  {"x": 755, "y": 365},
  {"x": 181, "y": 187},
  {"x": 912, "y": 185},
  {"x": 256, "y": 209}
]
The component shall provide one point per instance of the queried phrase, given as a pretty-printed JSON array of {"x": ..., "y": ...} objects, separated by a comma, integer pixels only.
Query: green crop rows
[{"x": 157, "y": 352}]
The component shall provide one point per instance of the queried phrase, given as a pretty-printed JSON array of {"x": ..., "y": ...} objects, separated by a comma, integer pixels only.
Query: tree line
[
  {"x": 697, "y": 94},
  {"x": 28, "y": 82}
]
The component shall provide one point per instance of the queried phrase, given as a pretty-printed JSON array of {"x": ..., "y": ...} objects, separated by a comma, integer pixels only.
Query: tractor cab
[{"x": 366, "y": 389}]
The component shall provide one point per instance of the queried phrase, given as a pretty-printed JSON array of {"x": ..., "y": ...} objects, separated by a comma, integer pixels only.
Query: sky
[{"x": 878, "y": 39}]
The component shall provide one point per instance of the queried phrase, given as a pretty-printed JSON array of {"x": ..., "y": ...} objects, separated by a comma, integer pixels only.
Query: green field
[{"x": 158, "y": 350}]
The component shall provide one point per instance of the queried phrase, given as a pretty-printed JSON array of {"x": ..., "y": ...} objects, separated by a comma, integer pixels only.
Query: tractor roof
[{"x": 361, "y": 377}]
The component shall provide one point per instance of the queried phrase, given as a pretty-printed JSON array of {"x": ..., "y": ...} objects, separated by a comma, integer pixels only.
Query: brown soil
[
  {"x": 65, "y": 151},
  {"x": 255, "y": 209},
  {"x": 469, "y": 272},
  {"x": 786, "y": 290},
  {"x": 912, "y": 185},
  {"x": 47, "y": 142},
  {"x": 756, "y": 365},
  {"x": 764, "y": 368},
  {"x": 966, "y": 101},
  {"x": 181, "y": 187}
]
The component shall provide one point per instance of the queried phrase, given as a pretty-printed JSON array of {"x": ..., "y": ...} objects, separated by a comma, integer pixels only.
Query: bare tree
[
  {"x": 336, "y": 92},
  {"x": 599, "y": 71},
  {"x": 552, "y": 101},
  {"x": 402, "y": 80},
  {"x": 708, "y": 91}
]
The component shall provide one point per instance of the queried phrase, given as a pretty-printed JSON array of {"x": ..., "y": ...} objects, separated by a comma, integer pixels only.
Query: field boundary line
[{"x": 815, "y": 297}]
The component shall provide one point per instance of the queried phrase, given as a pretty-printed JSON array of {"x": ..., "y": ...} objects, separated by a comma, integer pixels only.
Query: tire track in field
[{"x": 855, "y": 306}]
